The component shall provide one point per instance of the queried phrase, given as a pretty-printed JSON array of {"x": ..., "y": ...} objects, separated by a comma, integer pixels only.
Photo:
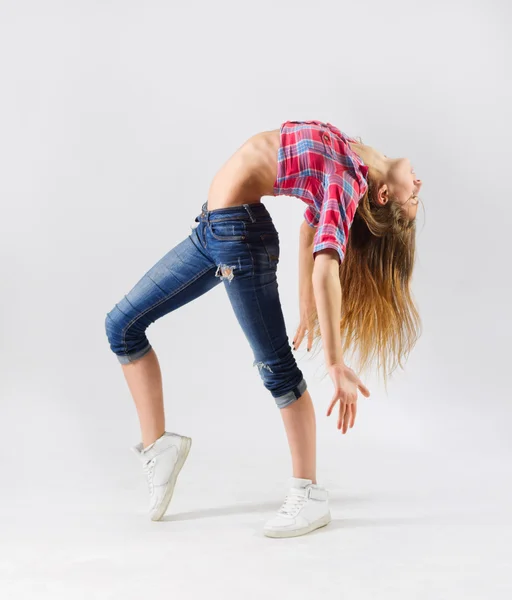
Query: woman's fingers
[
  {"x": 310, "y": 337},
  {"x": 341, "y": 416},
  {"x": 346, "y": 414},
  {"x": 298, "y": 337},
  {"x": 353, "y": 417},
  {"x": 347, "y": 418},
  {"x": 364, "y": 390},
  {"x": 332, "y": 405}
]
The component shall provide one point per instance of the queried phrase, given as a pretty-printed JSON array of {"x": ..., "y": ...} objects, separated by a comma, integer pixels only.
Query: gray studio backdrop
[{"x": 115, "y": 116}]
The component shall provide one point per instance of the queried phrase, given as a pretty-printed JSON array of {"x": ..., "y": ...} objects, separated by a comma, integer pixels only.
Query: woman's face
[{"x": 404, "y": 185}]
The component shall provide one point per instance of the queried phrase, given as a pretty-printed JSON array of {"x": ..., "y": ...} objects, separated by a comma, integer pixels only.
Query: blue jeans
[{"x": 238, "y": 245}]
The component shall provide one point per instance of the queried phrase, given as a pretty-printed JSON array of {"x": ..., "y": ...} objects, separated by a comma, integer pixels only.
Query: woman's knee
[
  {"x": 292, "y": 395},
  {"x": 285, "y": 382},
  {"x": 127, "y": 338}
]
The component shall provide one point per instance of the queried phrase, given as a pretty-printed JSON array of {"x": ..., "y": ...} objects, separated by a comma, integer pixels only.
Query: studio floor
[{"x": 407, "y": 526}]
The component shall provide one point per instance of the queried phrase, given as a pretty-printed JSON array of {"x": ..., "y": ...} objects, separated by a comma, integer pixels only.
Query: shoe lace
[
  {"x": 292, "y": 504},
  {"x": 149, "y": 468}
]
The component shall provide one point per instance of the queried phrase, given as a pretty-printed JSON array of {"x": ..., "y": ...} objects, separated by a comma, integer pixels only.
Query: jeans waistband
[{"x": 254, "y": 211}]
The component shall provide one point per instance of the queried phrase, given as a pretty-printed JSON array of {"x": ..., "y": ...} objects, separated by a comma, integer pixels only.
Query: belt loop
[
  {"x": 246, "y": 206},
  {"x": 204, "y": 209}
]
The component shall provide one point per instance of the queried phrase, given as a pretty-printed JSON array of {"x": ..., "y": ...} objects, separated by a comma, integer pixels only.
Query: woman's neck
[{"x": 371, "y": 157}]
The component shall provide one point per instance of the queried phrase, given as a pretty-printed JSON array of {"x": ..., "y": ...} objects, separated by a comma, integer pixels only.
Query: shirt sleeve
[
  {"x": 311, "y": 216},
  {"x": 335, "y": 219}
]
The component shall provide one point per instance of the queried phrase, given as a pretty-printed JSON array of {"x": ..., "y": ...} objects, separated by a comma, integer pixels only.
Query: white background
[{"x": 114, "y": 117}]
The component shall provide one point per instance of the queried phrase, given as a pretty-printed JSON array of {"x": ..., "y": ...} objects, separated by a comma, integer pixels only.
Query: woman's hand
[
  {"x": 346, "y": 383},
  {"x": 307, "y": 309}
]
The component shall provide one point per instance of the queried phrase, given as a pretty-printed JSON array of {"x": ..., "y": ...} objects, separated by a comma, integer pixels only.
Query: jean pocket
[
  {"x": 270, "y": 242},
  {"x": 228, "y": 230}
]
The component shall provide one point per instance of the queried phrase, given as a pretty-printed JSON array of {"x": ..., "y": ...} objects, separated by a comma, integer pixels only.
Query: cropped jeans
[{"x": 238, "y": 246}]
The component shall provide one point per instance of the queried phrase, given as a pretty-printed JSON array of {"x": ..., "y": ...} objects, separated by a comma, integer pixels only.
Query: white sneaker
[
  {"x": 304, "y": 509},
  {"x": 162, "y": 461}
]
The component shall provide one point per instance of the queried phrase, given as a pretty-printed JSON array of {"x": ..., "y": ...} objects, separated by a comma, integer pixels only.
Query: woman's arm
[
  {"x": 306, "y": 261},
  {"x": 327, "y": 286},
  {"x": 327, "y": 290},
  {"x": 307, "y": 308}
]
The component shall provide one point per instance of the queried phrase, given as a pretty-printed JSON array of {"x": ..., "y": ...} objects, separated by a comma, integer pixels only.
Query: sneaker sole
[
  {"x": 283, "y": 533},
  {"x": 186, "y": 442}
]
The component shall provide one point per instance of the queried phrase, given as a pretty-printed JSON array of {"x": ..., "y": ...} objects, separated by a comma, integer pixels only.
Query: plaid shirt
[{"x": 317, "y": 165}]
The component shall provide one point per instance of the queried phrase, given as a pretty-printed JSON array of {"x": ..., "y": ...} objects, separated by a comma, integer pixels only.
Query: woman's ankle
[{"x": 151, "y": 439}]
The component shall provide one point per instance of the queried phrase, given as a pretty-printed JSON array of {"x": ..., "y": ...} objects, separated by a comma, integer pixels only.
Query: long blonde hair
[{"x": 379, "y": 318}]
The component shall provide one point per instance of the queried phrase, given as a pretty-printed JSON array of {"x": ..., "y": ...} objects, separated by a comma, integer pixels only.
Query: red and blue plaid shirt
[{"x": 317, "y": 165}]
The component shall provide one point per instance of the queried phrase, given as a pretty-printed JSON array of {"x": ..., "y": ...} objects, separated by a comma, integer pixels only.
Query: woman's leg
[
  {"x": 266, "y": 332},
  {"x": 300, "y": 426},
  {"x": 183, "y": 274},
  {"x": 250, "y": 276},
  {"x": 144, "y": 380}
]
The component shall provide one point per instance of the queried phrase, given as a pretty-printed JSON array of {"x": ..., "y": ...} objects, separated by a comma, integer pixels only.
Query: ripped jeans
[{"x": 239, "y": 246}]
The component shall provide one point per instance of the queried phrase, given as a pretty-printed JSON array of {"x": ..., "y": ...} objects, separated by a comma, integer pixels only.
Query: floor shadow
[
  {"x": 221, "y": 511},
  {"x": 242, "y": 508},
  {"x": 353, "y": 523}
]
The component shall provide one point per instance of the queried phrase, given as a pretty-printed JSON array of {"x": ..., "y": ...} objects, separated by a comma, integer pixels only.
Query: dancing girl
[{"x": 356, "y": 255}]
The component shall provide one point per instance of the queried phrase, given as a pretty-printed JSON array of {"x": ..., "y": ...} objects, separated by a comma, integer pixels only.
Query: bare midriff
[{"x": 248, "y": 174}]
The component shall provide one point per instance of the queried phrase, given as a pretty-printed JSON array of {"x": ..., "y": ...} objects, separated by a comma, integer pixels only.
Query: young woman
[{"x": 346, "y": 185}]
